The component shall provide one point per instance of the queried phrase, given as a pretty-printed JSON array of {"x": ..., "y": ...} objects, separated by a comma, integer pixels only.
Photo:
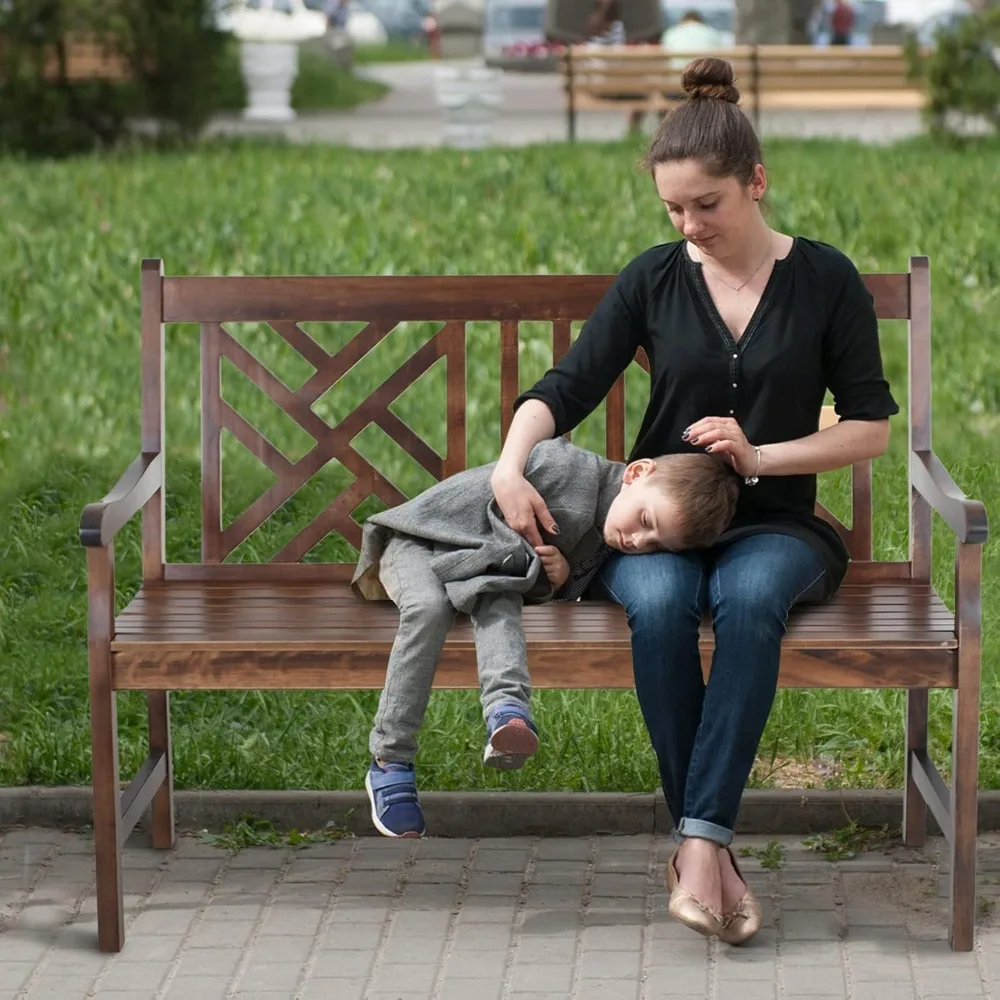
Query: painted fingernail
[
  {"x": 710, "y": 447},
  {"x": 685, "y": 435},
  {"x": 695, "y": 440},
  {"x": 555, "y": 528}
]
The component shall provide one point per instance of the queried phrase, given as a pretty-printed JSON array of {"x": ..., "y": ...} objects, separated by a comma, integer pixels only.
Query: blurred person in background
[{"x": 841, "y": 23}]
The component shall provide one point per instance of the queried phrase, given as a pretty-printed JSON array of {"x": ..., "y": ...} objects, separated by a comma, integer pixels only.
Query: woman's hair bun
[{"x": 710, "y": 79}]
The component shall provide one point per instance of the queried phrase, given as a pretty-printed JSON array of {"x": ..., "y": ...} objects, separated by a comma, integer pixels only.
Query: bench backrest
[
  {"x": 382, "y": 303},
  {"x": 606, "y": 70}
]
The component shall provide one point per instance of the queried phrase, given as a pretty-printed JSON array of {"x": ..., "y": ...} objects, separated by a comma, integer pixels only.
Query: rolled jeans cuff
[{"x": 704, "y": 830}]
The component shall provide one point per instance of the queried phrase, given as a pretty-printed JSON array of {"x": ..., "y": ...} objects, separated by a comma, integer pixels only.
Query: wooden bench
[
  {"x": 86, "y": 60},
  {"x": 290, "y": 624},
  {"x": 648, "y": 78}
]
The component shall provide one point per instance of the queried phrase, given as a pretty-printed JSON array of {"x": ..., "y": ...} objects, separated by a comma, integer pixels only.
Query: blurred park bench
[
  {"x": 294, "y": 624},
  {"x": 804, "y": 77},
  {"x": 86, "y": 60}
]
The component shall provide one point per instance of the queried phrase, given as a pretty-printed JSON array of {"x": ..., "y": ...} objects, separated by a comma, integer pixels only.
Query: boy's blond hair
[{"x": 705, "y": 491}]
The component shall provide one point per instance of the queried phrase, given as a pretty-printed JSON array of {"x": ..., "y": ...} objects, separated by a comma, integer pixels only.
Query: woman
[{"x": 745, "y": 329}]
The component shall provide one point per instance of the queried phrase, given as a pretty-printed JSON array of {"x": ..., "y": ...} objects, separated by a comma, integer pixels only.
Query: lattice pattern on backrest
[
  {"x": 285, "y": 303},
  {"x": 330, "y": 442}
]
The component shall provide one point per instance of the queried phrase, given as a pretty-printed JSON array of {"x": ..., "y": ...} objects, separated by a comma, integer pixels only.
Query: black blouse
[{"x": 815, "y": 328}]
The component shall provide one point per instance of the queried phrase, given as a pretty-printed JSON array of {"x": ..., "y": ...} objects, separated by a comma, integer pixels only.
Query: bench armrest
[
  {"x": 967, "y": 518},
  {"x": 103, "y": 520}
]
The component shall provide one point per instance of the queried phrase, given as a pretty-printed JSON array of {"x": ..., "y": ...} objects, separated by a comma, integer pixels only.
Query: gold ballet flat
[
  {"x": 741, "y": 924},
  {"x": 688, "y": 909}
]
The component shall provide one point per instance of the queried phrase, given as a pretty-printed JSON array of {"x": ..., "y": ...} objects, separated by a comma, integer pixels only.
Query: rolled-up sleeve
[
  {"x": 852, "y": 355},
  {"x": 574, "y": 387}
]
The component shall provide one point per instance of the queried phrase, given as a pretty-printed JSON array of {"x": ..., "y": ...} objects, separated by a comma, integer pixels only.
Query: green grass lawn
[{"x": 70, "y": 247}]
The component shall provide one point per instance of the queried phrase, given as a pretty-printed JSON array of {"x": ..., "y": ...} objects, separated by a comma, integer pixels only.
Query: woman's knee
[{"x": 761, "y": 579}]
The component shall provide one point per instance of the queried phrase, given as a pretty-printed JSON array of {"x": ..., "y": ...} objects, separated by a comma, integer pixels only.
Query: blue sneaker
[
  {"x": 511, "y": 736},
  {"x": 392, "y": 791}
]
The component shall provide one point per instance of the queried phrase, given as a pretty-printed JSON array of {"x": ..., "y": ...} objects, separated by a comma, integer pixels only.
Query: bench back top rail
[{"x": 381, "y": 302}]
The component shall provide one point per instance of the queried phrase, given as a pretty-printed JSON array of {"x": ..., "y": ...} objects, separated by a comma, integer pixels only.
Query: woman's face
[{"x": 716, "y": 214}]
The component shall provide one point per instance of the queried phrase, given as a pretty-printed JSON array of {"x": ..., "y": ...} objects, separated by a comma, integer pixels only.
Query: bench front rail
[{"x": 222, "y": 624}]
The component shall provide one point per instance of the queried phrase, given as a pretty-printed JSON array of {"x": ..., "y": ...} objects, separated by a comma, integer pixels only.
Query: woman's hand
[
  {"x": 723, "y": 436},
  {"x": 554, "y": 563},
  {"x": 521, "y": 505}
]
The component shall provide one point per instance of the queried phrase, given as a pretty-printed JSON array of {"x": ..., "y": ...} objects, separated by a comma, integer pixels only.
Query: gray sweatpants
[{"x": 425, "y": 616}]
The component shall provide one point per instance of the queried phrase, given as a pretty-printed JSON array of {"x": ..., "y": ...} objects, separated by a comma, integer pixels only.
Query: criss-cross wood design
[{"x": 330, "y": 442}]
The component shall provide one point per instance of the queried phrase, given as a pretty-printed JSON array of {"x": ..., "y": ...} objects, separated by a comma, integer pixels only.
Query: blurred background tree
[
  {"x": 74, "y": 72},
  {"x": 962, "y": 70}
]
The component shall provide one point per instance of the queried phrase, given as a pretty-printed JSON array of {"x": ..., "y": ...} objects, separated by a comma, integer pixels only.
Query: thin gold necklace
[{"x": 739, "y": 288}]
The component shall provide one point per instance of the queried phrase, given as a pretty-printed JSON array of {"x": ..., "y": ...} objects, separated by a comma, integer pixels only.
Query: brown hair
[
  {"x": 705, "y": 491},
  {"x": 709, "y": 126}
]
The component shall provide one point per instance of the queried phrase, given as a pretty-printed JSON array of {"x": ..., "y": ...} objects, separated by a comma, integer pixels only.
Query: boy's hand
[{"x": 554, "y": 563}]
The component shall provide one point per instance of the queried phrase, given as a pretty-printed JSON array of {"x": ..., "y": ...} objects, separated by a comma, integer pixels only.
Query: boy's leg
[
  {"x": 425, "y": 616},
  {"x": 504, "y": 684}
]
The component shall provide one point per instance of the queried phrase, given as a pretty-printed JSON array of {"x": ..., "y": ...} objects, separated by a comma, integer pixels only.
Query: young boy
[{"x": 449, "y": 550}]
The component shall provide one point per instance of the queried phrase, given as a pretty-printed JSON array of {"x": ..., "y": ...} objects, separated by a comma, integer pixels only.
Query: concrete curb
[{"x": 491, "y": 814}]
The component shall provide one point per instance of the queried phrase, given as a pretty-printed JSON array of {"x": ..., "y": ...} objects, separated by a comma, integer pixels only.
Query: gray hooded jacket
[{"x": 474, "y": 551}]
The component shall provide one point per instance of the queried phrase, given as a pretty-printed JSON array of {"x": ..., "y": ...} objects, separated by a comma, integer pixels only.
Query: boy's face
[{"x": 643, "y": 518}]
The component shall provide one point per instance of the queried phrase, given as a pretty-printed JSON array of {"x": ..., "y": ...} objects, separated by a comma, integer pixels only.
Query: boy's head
[{"x": 672, "y": 503}]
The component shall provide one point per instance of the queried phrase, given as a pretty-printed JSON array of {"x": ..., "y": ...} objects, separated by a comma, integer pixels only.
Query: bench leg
[
  {"x": 914, "y": 806},
  {"x": 965, "y": 817},
  {"x": 104, "y": 746},
  {"x": 159, "y": 741}
]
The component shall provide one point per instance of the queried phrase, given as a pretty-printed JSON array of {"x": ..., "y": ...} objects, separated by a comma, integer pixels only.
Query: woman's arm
[
  {"x": 520, "y": 503},
  {"x": 845, "y": 443},
  {"x": 567, "y": 393}
]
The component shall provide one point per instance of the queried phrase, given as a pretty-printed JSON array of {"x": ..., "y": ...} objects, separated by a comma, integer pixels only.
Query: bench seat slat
[{"x": 181, "y": 635}]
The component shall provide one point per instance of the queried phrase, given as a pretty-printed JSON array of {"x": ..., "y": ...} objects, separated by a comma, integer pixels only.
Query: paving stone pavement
[{"x": 378, "y": 919}]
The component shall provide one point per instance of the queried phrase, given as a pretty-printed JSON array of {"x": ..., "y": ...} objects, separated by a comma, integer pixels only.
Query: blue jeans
[{"x": 705, "y": 737}]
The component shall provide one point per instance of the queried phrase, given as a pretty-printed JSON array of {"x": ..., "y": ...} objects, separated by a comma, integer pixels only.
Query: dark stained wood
[
  {"x": 914, "y": 806},
  {"x": 509, "y": 374},
  {"x": 244, "y": 630},
  {"x": 452, "y": 343},
  {"x": 860, "y": 544},
  {"x": 193, "y": 666},
  {"x": 104, "y": 748},
  {"x": 158, "y": 712},
  {"x": 965, "y": 744},
  {"x": 152, "y": 375},
  {"x": 392, "y": 298},
  {"x": 212, "y": 419},
  {"x": 335, "y": 367},
  {"x": 561, "y": 338},
  {"x": 615, "y": 421},
  {"x": 291, "y": 573},
  {"x": 919, "y": 415}
]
